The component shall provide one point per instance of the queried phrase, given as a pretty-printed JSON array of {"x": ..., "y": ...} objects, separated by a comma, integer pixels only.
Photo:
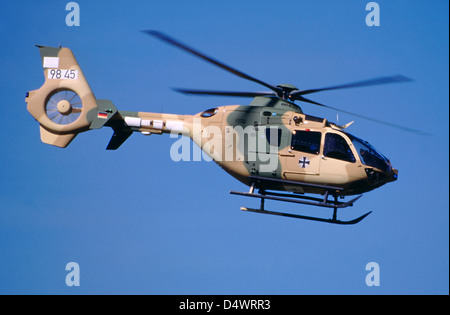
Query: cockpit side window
[
  {"x": 369, "y": 156},
  {"x": 336, "y": 147},
  {"x": 306, "y": 141}
]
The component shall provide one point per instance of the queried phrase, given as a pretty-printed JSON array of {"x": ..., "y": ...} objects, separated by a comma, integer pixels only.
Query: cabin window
[
  {"x": 209, "y": 113},
  {"x": 273, "y": 136},
  {"x": 306, "y": 141},
  {"x": 336, "y": 147}
]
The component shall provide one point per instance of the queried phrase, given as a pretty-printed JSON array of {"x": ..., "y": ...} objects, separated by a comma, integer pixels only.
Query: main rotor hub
[{"x": 287, "y": 89}]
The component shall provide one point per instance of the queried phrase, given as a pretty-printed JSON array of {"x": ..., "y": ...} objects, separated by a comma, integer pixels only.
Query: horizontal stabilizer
[{"x": 105, "y": 111}]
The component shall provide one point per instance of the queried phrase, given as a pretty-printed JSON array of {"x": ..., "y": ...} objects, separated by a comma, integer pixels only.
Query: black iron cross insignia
[{"x": 303, "y": 161}]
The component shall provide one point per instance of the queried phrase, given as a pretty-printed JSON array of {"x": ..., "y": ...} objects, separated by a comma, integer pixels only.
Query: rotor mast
[{"x": 286, "y": 90}]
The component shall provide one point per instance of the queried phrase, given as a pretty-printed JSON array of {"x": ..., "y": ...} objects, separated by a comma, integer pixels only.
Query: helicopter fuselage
[
  {"x": 269, "y": 145},
  {"x": 272, "y": 138}
]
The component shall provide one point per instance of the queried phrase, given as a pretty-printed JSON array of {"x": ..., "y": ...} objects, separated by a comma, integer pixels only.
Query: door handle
[{"x": 288, "y": 154}]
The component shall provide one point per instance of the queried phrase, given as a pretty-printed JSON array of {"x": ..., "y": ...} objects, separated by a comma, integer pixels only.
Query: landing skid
[
  {"x": 303, "y": 217},
  {"x": 300, "y": 199}
]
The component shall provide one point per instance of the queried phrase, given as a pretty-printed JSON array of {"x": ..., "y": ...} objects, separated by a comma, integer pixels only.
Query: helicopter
[{"x": 271, "y": 145}]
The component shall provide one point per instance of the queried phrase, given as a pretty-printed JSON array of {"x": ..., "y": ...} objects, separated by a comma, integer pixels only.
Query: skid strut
[{"x": 319, "y": 202}]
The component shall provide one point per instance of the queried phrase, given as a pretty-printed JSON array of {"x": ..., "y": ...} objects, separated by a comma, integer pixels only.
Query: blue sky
[{"x": 137, "y": 222}]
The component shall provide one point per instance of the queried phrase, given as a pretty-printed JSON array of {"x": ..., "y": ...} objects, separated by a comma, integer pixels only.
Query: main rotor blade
[
  {"x": 225, "y": 93},
  {"x": 375, "y": 81},
  {"x": 412, "y": 130},
  {"x": 176, "y": 43}
]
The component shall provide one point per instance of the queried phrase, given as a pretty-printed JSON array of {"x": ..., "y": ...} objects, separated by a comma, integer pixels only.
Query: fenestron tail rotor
[{"x": 63, "y": 107}]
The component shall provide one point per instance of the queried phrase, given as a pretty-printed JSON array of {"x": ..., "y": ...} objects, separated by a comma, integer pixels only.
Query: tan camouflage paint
[{"x": 226, "y": 119}]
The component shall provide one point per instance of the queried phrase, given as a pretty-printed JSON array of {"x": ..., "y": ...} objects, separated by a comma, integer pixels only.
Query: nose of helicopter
[
  {"x": 377, "y": 178},
  {"x": 374, "y": 178},
  {"x": 394, "y": 175}
]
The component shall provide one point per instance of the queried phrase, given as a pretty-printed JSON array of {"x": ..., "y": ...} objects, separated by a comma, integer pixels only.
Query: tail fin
[{"x": 65, "y": 105}]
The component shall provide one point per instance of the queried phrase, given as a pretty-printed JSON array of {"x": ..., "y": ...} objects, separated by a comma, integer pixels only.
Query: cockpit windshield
[{"x": 369, "y": 155}]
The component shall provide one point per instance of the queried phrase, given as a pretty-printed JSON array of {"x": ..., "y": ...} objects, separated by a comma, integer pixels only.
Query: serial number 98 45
[{"x": 63, "y": 74}]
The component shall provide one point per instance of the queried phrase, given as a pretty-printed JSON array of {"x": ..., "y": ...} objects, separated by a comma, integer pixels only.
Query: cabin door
[{"x": 302, "y": 155}]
